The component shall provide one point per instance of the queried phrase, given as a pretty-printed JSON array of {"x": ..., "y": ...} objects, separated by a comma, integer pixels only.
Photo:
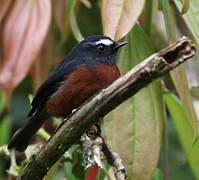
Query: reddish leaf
[
  {"x": 4, "y": 6},
  {"x": 24, "y": 32},
  {"x": 92, "y": 173},
  {"x": 118, "y": 17},
  {"x": 61, "y": 17}
]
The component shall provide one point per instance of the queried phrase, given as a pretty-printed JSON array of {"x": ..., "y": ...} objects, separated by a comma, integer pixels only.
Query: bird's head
[{"x": 98, "y": 49}]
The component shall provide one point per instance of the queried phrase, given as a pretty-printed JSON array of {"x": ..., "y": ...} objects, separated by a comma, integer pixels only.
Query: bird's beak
[{"x": 119, "y": 44}]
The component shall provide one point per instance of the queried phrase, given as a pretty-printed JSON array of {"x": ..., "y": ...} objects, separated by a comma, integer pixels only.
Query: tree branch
[
  {"x": 106, "y": 100},
  {"x": 114, "y": 160}
]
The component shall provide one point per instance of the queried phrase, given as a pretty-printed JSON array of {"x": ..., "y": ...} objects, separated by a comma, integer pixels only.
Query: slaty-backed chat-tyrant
[{"x": 88, "y": 68}]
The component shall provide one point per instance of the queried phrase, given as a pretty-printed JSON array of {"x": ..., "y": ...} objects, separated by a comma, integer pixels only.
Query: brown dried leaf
[
  {"x": 4, "y": 6},
  {"x": 118, "y": 17},
  {"x": 61, "y": 17},
  {"x": 24, "y": 32}
]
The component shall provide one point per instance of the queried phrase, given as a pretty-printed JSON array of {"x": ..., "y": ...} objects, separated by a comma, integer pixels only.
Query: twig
[
  {"x": 115, "y": 161},
  {"x": 106, "y": 100}
]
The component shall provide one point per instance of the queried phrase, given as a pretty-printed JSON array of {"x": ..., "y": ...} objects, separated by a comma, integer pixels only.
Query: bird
[{"x": 88, "y": 68}]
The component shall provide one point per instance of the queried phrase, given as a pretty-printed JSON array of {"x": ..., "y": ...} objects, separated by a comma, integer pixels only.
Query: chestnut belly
[{"x": 79, "y": 86}]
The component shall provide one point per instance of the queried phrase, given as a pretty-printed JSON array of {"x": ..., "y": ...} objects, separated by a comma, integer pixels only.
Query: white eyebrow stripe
[{"x": 107, "y": 42}]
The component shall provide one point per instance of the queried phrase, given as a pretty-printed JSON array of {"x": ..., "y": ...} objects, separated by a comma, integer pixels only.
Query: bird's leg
[{"x": 95, "y": 131}]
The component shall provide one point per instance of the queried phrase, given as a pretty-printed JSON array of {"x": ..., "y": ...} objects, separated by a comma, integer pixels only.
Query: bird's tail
[{"x": 22, "y": 137}]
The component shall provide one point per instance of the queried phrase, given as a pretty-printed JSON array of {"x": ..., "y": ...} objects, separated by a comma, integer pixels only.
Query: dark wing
[{"x": 52, "y": 83}]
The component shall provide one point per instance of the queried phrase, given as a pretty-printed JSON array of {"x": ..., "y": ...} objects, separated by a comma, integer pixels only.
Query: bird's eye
[{"x": 100, "y": 48}]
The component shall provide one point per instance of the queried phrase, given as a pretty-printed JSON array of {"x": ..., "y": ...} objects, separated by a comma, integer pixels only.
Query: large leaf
[
  {"x": 61, "y": 18},
  {"x": 185, "y": 6},
  {"x": 178, "y": 74},
  {"x": 185, "y": 131},
  {"x": 191, "y": 17},
  {"x": 134, "y": 129},
  {"x": 5, "y": 125},
  {"x": 148, "y": 13},
  {"x": 4, "y": 6},
  {"x": 24, "y": 32},
  {"x": 4, "y": 121},
  {"x": 72, "y": 18},
  {"x": 118, "y": 17}
]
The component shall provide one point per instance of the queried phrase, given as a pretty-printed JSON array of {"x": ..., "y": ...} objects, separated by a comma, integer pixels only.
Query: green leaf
[
  {"x": 185, "y": 6},
  {"x": 5, "y": 123},
  {"x": 148, "y": 16},
  {"x": 2, "y": 101},
  {"x": 43, "y": 134},
  {"x": 191, "y": 18},
  {"x": 104, "y": 172},
  {"x": 185, "y": 130},
  {"x": 72, "y": 19},
  {"x": 137, "y": 123},
  {"x": 157, "y": 175},
  {"x": 169, "y": 20},
  {"x": 68, "y": 167},
  {"x": 180, "y": 81},
  {"x": 73, "y": 168},
  {"x": 195, "y": 92},
  {"x": 178, "y": 74}
]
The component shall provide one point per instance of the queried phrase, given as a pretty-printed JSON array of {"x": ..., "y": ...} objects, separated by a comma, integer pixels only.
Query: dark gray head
[{"x": 98, "y": 49}]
